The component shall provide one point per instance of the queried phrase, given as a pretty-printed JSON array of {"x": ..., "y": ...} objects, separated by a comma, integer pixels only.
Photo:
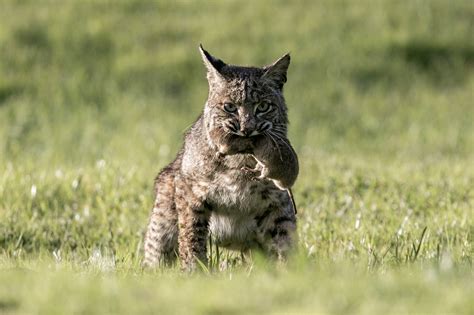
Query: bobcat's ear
[
  {"x": 213, "y": 65},
  {"x": 276, "y": 72}
]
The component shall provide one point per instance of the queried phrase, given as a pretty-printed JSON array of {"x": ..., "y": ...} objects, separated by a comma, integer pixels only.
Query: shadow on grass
[
  {"x": 8, "y": 305},
  {"x": 437, "y": 64},
  {"x": 428, "y": 55},
  {"x": 9, "y": 90}
]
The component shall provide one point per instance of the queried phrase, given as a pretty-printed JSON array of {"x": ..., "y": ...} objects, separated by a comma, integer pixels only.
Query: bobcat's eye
[
  {"x": 263, "y": 107},
  {"x": 230, "y": 108}
]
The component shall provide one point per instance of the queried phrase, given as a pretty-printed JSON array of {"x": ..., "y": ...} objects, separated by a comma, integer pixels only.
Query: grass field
[{"x": 95, "y": 96}]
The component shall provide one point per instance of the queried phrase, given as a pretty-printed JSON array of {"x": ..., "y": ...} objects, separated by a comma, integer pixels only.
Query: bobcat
[{"x": 233, "y": 174}]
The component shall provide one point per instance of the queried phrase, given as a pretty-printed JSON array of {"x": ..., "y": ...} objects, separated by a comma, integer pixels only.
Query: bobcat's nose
[
  {"x": 246, "y": 132},
  {"x": 247, "y": 126}
]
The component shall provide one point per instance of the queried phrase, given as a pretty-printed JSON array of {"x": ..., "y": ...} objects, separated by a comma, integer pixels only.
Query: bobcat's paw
[{"x": 254, "y": 174}]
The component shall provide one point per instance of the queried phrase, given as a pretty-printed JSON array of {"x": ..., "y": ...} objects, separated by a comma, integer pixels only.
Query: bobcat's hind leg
[
  {"x": 278, "y": 227},
  {"x": 193, "y": 225},
  {"x": 161, "y": 239}
]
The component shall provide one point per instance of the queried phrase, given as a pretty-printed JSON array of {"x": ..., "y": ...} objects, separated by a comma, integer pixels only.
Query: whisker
[
  {"x": 269, "y": 134},
  {"x": 279, "y": 129},
  {"x": 276, "y": 144},
  {"x": 284, "y": 140},
  {"x": 264, "y": 127},
  {"x": 280, "y": 132},
  {"x": 279, "y": 126}
]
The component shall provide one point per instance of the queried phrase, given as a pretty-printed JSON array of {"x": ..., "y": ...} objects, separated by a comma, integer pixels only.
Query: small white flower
[
  {"x": 404, "y": 222},
  {"x": 357, "y": 222},
  {"x": 86, "y": 211},
  {"x": 57, "y": 255},
  {"x": 100, "y": 164},
  {"x": 58, "y": 173},
  {"x": 33, "y": 191},
  {"x": 103, "y": 263},
  {"x": 350, "y": 246}
]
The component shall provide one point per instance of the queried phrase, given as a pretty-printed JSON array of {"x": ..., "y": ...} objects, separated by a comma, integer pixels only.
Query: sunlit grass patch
[{"x": 95, "y": 96}]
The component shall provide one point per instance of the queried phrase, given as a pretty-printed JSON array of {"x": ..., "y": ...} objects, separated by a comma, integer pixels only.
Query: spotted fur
[{"x": 206, "y": 188}]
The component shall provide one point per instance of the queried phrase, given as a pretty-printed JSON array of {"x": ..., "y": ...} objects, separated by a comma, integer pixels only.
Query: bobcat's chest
[
  {"x": 233, "y": 192},
  {"x": 236, "y": 202}
]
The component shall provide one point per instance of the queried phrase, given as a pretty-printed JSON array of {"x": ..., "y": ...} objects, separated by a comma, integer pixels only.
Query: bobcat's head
[{"x": 244, "y": 102}]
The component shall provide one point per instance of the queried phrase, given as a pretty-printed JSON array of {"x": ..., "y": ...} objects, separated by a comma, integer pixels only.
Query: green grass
[{"x": 95, "y": 96}]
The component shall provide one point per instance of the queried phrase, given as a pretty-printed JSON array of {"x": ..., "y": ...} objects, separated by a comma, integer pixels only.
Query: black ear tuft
[
  {"x": 276, "y": 72},
  {"x": 212, "y": 64}
]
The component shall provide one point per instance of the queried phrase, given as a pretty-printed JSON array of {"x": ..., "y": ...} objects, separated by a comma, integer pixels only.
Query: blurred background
[
  {"x": 95, "y": 97},
  {"x": 82, "y": 81}
]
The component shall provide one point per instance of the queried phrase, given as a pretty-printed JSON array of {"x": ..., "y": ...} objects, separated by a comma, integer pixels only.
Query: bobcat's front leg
[
  {"x": 258, "y": 172},
  {"x": 231, "y": 144},
  {"x": 193, "y": 225}
]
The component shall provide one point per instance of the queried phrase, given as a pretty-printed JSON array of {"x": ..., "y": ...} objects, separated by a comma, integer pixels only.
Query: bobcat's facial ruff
[{"x": 206, "y": 190}]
